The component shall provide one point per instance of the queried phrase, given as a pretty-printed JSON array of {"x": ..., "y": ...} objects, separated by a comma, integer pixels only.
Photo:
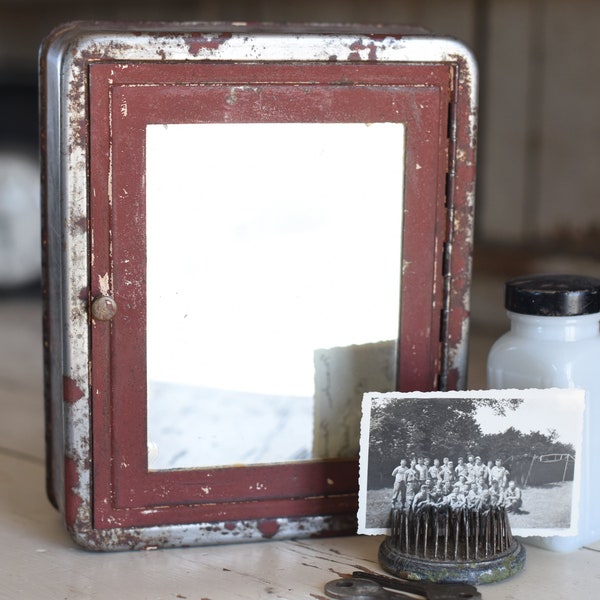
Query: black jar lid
[{"x": 553, "y": 295}]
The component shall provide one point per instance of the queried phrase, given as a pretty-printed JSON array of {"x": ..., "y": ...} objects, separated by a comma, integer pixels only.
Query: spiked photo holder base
[{"x": 443, "y": 545}]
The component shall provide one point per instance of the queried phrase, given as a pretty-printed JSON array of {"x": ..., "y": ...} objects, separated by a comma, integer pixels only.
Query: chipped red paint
[
  {"x": 73, "y": 502},
  {"x": 71, "y": 391},
  {"x": 268, "y": 527},
  {"x": 198, "y": 43},
  {"x": 359, "y": 45}
]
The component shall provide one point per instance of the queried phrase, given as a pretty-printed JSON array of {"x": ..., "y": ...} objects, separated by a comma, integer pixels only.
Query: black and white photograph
[{"x": 520, "y": 450}]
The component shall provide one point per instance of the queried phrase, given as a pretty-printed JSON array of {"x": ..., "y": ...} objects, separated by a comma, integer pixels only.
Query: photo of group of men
[{"x": 418, "y": 483}]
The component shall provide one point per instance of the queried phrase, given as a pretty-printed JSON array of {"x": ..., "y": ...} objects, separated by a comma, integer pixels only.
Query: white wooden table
[{"x": 39, "y": 560}]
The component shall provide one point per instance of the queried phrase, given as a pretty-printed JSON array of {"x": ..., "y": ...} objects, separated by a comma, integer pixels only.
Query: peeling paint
[
  {"x": 103, "y": 284},
  {"x": 200, "y": 44},
  {"x": 71, "y": 391},
  {"x": 268, "y": 527}
]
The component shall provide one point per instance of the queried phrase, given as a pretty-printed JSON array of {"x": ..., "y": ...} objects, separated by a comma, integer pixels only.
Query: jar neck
[{"x": 555, "y": 328}]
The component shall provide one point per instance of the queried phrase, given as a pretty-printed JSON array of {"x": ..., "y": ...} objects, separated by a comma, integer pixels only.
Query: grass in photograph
[{"x": 544, "y": 506}]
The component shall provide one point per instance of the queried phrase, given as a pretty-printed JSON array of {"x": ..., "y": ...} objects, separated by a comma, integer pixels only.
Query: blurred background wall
[{"x": 539, "y": 144}]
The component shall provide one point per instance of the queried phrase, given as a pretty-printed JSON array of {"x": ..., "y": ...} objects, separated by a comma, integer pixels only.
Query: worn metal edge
[{"x": 200, "y": 534}]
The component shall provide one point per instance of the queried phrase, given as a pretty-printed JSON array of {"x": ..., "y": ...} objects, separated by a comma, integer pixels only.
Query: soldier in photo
[
  {"x": 447, "y": 473},
  {"x": 479, "y": 469},
  {"x": 399, "y": 483},
  {"x": 434, "y": 469},
  {"x": 496, "y": 494},
  {"x": 512, "y": 498},
  {"x": 412, "y": 481},
  {"x": 422, "y": 498},
  {"x": 421, "y": 469},
  {"x": 461, "y": 469},
  {"x": 499, "y": 473}
]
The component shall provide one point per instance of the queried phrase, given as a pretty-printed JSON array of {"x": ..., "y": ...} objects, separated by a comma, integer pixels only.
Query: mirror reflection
[{"x": 273, "y": 283}]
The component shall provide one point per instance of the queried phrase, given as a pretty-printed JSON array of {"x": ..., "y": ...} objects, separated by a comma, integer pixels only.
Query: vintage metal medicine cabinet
[{"x": 244, "y": 229}]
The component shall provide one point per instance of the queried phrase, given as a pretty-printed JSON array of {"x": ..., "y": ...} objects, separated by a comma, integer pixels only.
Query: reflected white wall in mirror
[{"x": 266, "y": 243}]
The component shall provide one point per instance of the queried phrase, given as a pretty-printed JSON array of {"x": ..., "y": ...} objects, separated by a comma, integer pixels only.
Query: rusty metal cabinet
[{"x": 103, "y": 85}]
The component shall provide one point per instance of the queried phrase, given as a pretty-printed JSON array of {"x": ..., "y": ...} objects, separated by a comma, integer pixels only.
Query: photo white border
[{"x": 537, "y": 402}]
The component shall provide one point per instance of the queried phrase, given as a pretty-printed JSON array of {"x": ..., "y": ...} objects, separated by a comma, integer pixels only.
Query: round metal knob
[{"x": 104, "y": 308}]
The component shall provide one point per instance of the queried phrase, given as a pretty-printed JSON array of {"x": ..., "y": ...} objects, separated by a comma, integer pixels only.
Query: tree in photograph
[
  {"x": 418, "y": 426},
  {"x": 513, "y": 442}
]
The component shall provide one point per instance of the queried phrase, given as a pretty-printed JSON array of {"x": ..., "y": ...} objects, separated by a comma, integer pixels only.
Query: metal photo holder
[{"x": 452, "y": 545}]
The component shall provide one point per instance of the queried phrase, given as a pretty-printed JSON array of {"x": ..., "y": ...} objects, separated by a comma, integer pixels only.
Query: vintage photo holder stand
[{"x": 102, "y": 85}]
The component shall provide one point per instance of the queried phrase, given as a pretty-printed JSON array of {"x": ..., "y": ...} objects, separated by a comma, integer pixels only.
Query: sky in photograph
[{"x": 545, "y": 410}]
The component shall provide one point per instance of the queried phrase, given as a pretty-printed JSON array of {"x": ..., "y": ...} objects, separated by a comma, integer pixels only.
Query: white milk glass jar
[{"x": 554, "y": 342}]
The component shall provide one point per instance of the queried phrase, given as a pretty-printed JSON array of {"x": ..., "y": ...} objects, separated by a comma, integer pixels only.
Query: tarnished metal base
[{"x": 489, "y": 570}]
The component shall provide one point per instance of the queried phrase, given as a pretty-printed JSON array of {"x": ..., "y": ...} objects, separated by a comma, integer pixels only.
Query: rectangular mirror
[
  {"x": 244, "y": 231},
  {"x": 233, "y": 329}
]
